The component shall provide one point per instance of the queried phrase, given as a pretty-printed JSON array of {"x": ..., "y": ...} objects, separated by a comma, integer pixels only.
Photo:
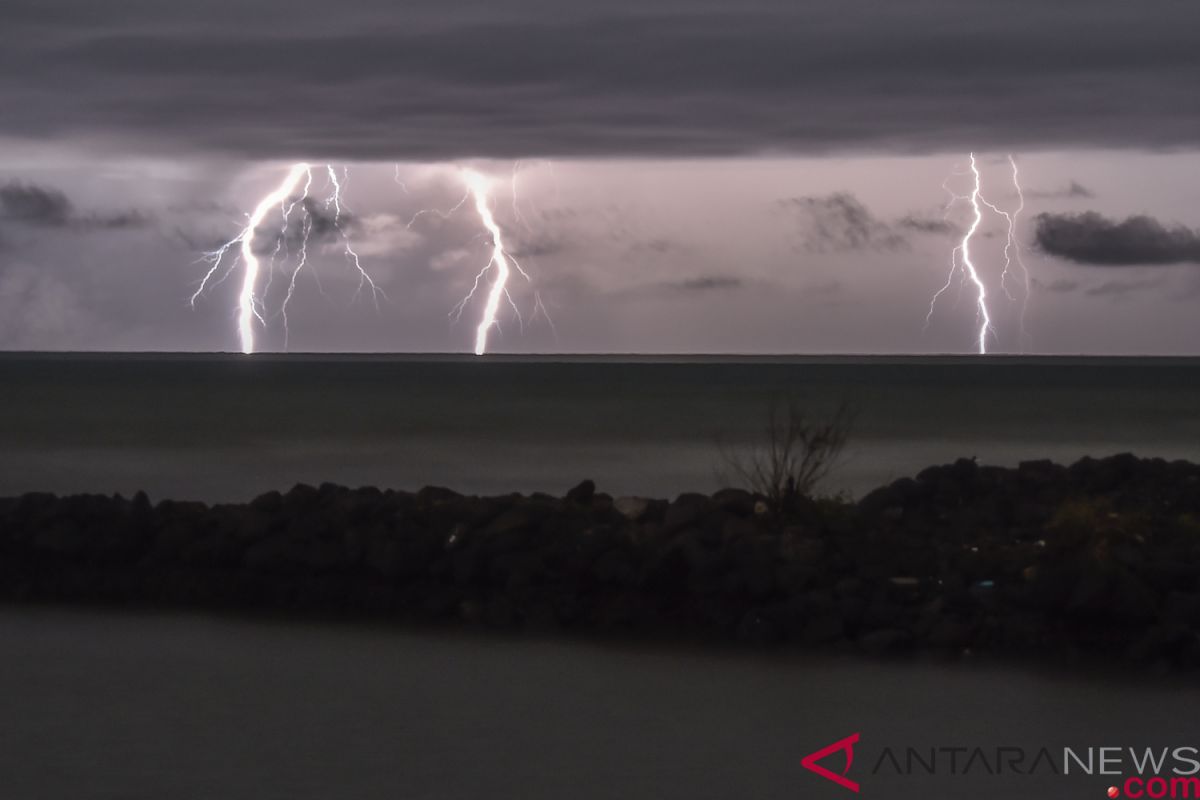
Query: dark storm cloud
[
  {"x": 840, "y": 222},
  {"x": 432, "y": 80},
  {"x": 34, "y": 205},
  {"x": 30, "y": 204},
  {"x": 1090, "y": 238}
]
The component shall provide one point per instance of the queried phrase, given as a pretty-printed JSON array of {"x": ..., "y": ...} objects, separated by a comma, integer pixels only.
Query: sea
[
  {"x": 109, "y": 706},
  {"x": 225, "y": 428}
]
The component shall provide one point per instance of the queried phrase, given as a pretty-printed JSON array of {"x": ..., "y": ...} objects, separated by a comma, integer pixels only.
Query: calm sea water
[
  {"x": 104, "y": 707},
  {"x": 222, "y": 427}
]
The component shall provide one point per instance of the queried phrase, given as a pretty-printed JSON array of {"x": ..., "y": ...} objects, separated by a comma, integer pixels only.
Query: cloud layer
[
  {"x": 839, "y": 222},
  {"x": 34, "y": 205},
  {"x": 426, "y": 80},
  {"x": 1089, "y": 238}
]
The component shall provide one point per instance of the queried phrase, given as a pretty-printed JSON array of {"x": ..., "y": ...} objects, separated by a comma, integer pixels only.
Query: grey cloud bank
[
  {"x": 34, "y": 205},
  {"x": 424, "y": 81},
  {"x": 1089, "y": 238}
]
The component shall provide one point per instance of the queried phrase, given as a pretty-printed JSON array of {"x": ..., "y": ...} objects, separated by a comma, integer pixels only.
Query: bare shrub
[{"x": 797, "y": 451}]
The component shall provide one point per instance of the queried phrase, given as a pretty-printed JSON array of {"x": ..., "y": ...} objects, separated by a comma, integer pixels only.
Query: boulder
[
  {"x": 581, "y": 494},
  {"x": 632, "y": 508},
  {"x": 687, "y": 510},
  {"x": 734, "y": 501},
  {"x": 886, "y": 641}
]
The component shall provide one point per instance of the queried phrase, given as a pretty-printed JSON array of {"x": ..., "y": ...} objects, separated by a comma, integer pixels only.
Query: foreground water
[
  {"x": 221, "y": 427},
  {"x": 106, "y": 707}
]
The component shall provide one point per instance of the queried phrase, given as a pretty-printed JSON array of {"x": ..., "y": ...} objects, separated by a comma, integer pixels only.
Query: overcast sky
[{"x": 690, "y": 176}]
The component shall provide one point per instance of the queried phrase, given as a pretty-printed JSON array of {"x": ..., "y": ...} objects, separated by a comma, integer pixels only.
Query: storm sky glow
[{"x": 759, "y": 180}]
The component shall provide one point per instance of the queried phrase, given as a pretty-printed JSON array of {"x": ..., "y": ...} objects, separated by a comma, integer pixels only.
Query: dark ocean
[
  {"x": 227, "y": 427},
  {"x": 130, "y": 707}
]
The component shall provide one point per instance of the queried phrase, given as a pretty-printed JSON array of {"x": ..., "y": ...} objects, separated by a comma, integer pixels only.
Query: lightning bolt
[
  {"x": 364, "y": 278},
  {"x": 477, "y": 186},
  {"x": 1012, "y": 247},
  {"x": 500, "y": 264},
  {"x": 286, "y": 195},
  {"x": 960, "y": 260},
  {"x": 248, "y": 310}
]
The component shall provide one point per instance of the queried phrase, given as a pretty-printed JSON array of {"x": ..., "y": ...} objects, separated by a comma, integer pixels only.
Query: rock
[
  {"x": 1090, "y": 594},
  {"x": 801, "y": 549},
  {"x": 734, "y": 501},
  {"x": 268, "y": 503},
  {"x": 382, "y": 555},
  {"x": 1088, "y": 562},
  {"x": 703, "y": 561},
  {"x": 432, "y": 496},
  {"x": 1133, "y": 602},
  {"x": 141, "y": 505},
  {"x": 582, "y": 493},
  {"x": 632, "y": 508},
  {"x": 738, "y": 528},
  {"x": 1043, "y": 472},
  {"x": 823, "y": 628},
  {"x": 687, "y": 510},
  {"x": 61, "y": 538},
  {"x": 882, "y": 501},
  {"x": 302, "y": 495},
  {"x": 1183, "y": 607},
  {"x": 950, "y": 633},
  {"x": 517, "y": 519},
  {"x": 755, "y": 628},
  {"x": 887, "y": 641}
]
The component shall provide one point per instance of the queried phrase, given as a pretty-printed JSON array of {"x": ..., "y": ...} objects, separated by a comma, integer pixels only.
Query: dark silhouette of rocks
[{"x": 1098, "y": 561}]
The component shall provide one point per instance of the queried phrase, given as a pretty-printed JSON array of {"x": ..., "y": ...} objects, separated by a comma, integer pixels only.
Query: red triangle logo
[{"x": 810, "y": 762}]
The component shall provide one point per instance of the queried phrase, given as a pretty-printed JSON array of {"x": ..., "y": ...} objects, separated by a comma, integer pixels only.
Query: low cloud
[
  {"x": 1060, "y": 286},
  {"x": 707, "y": 283},
  {"x": 694, "y": 285},
  {"x": 928, "y": 225},
  {"x": 1122, "y": 288},
  {"x": 839, "y": 222},
  {"x": 30, "y": 204},
  {"x": 1074, "y": 189},
  {"x": 1090, "y": 238},
  {"x": 35, "y": 205}
]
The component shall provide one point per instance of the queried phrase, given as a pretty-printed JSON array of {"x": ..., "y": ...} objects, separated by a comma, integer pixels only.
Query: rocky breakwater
[{"x": 1099, "y": 560}]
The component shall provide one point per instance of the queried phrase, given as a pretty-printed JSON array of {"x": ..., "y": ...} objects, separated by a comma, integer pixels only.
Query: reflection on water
[{"x": 105, "y": 706}]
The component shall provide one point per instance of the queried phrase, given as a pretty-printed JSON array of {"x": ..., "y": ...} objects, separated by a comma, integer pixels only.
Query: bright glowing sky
[{"x": 766, "y": 180}]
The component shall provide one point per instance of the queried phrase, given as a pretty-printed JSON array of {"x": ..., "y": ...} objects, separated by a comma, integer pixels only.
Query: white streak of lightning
[
  {"x": 960, "y": 259},
  {"x": 1012, "y": 246},
  {"x": 364, "y": 278},
  {"x": 478, "y": 189},
  {"x": 287, "y": 197},
  {"x": 247, "y": 312},
  {"x": 478, "y": 186},
  {"x": 247, "y": 302}
]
